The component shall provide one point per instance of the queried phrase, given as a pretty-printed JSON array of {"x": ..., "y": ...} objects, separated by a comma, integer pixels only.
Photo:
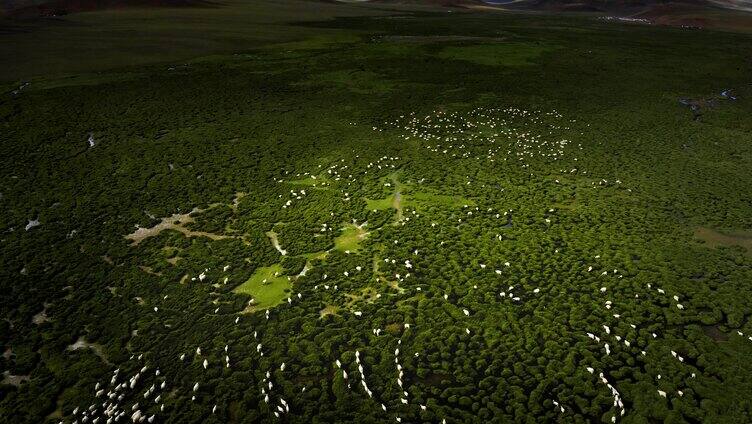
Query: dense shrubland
[{"x": 240, "y": 137}]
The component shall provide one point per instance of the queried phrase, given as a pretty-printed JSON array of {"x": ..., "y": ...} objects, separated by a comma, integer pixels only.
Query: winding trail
[
  {"x": 175, "y": 222},
  {"x": 81, "y": 343},
  {"x": 14, "y": 380},
  {"x": 275, "y": 242},
  {"x": 397, "y": 199}
]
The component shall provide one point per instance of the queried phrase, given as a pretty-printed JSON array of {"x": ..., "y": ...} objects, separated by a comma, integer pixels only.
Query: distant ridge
[
  {"x": 23, "y": 8},
  {"x": 616, "y": 6},
  {"x": 744, "y": 5},
  {"x": 670, "y": 12},
  {"x": 602, "y": 5},
  {"x": 443, "y": 3}
]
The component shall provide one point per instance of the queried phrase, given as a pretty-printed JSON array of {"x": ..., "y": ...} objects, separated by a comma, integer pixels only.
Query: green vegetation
[
  {"x": 310, "y": 181},
  {"x": 96, "y": 42},
  {"x": 353, "y": 80},
  {"x": 419, "y": 198},
  {"x": 380, "y": 204},
  {"x": 317, "y": 42},
  {"x": 267, "y": 286},
  {"x": 350, "y": 238},
  {"x": 541, "y": 201},
  {"x": 498, "y": 54}
]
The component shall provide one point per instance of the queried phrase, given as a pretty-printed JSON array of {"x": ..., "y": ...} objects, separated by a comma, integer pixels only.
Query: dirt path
[
  {"x": 175, "y": 222},
  {"x": 239, "y": 195},
  {"x": 81, "y": 343},
  {"x": 397, "y": 199},
  {"x": 14, "y": 380},
  {"x": 275, "y": 242},
  {"x": 714, "y": 238},
  {"x": 41, "y": 317},
  {"x": 397, "y": 204},
  {"x": 305, "y": 269}
]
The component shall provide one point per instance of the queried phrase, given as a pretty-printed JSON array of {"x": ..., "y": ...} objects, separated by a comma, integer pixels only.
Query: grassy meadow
[{"x": 267, "y": 286}]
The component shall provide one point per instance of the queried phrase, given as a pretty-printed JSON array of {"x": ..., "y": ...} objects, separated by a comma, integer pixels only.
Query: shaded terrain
[{"x": 396, "y": 214}]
